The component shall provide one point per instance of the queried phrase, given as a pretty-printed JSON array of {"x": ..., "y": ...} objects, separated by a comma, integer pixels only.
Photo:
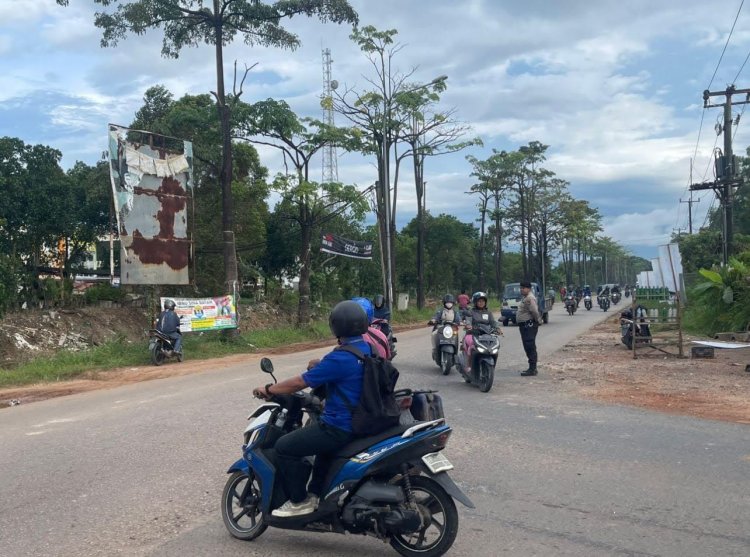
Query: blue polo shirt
[{"x": 344, "y": 370}]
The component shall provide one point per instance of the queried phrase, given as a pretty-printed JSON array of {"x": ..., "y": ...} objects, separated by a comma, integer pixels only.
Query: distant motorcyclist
[
  {"x": 447, "y": 312},
  {"x": 382, "y": 310},
  {"x": 586, "y": 290},
  {"x": 168, "y": 323}
]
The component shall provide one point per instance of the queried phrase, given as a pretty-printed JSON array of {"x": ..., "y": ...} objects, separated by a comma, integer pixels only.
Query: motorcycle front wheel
[
  {"x": 157, "y": 356},
  {"x": 437, "y": 537},
  {"x": 486, "y": 376},
  {"x": 446, "y": 362},
  {"x": 240, "y": 507}
]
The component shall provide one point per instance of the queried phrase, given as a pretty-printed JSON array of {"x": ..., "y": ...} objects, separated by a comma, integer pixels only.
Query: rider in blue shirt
[{"x": 340, "y": 372}]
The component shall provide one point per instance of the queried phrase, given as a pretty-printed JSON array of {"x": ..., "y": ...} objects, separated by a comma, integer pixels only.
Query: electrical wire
[{"x": 726, "y": 44}]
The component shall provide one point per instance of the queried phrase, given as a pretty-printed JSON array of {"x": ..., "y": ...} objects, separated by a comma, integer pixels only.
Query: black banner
[{"x": 348, "y": 248}]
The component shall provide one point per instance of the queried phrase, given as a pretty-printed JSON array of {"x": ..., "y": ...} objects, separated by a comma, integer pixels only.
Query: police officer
[{"x": 528, "y": 318}]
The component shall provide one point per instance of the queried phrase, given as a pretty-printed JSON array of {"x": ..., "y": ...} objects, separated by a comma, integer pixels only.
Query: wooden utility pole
[
  {"x": 726, "y": 165},
  {"x": 690, "y": 202}
]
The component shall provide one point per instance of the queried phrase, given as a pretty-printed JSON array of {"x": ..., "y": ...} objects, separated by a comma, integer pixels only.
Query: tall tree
[{"x": 188, "y": 23}]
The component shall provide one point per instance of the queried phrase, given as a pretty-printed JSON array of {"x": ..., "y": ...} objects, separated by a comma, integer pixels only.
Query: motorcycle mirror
[{"x": 266, "y": 365}]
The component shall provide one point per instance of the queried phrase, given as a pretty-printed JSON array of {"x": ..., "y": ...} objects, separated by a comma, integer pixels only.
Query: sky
[{"x": 613, "y": 87}]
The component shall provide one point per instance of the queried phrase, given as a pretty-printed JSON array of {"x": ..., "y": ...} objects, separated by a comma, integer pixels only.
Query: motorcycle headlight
[
  {"x": 447, "y": 331},
  {"x": 480, "y": 347}
]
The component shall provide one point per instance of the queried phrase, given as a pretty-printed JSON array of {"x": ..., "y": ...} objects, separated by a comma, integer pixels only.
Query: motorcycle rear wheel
[
  {"x": 157, "y": 356},
  {"x": 442, "y": 529},
  {"x": 486, "y": 376},
  {"x": 237, "y": 505},
  {"x": 446, "y": 362}
]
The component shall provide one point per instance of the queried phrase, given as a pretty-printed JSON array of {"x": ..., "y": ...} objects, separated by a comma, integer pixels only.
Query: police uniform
[{"x": 528, "y": 318}]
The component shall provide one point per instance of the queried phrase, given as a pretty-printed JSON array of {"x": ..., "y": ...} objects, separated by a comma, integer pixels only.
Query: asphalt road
[{"x": 138, "y": 470}]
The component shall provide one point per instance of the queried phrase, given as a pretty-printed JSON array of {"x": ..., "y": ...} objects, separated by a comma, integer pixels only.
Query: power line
[{"x": 726, "y": 44}]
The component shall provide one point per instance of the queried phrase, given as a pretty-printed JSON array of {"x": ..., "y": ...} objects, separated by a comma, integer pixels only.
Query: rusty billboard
[{"x": 152, "y": 177}]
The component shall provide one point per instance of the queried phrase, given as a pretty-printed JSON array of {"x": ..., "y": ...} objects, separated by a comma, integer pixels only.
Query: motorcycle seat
[{"x": 362, "y": 443}]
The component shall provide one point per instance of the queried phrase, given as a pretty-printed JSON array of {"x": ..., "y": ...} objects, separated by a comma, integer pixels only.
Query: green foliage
[
  {"x": 104, "y": 292},
  {"x": 722, "y": 302}
]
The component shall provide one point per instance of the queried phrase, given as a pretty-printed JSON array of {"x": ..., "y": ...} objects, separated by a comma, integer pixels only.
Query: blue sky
[{"x": 614, "y": 88}]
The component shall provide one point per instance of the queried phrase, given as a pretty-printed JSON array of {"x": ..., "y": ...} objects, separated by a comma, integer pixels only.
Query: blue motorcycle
[{"x": 394, "y": 485}]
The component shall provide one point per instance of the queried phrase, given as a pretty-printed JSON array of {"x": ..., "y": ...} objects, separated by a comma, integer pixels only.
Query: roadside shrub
[
  {"x": 721, "y": 303},
  {"x": 100, "y": 292}
]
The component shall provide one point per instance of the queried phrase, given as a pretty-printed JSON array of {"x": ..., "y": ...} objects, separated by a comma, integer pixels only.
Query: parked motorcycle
[
  {"x": 385, "y": 327},
  {"x": 604, "y": 302},
  {"x": 637, "y": 327},
  {"x": 477, "y": 364},
  {"x": 444, "y": 344},
  {"x": 393, "y": 486},
  {"x": 161, "y": 347},
  {"x": 587, "y": 302},
  {"x": 570, "y": 304}
]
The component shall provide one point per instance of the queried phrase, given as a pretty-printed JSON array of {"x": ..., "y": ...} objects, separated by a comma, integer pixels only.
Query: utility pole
[
  {"x": 690, "y": 202},
  {"x": 726, "y": 164}
]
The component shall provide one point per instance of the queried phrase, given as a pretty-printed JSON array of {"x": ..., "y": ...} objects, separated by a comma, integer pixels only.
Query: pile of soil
[{"x": 598, "y": 365}]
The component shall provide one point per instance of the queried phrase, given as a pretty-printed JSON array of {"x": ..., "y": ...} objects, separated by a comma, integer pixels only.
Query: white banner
[{"x": 205, "y": 314}]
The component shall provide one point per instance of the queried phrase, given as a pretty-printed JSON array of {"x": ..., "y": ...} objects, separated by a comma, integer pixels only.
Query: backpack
[{"x": 377, "y": 409}]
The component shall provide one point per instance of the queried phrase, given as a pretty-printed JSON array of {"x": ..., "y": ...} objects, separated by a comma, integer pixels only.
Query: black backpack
[{"x": 377, "y": 409}]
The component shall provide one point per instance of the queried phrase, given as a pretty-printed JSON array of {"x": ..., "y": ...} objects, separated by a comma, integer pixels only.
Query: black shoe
[{"x": 528, "y": 372}]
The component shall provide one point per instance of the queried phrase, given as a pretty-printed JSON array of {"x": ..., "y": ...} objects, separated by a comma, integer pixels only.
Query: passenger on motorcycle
[
  {"x": 341, "y": 372},
  {"x": 479, "y": 314},
  {"x": 374, "y": 336},
  {"x": 168, "y": 323}
]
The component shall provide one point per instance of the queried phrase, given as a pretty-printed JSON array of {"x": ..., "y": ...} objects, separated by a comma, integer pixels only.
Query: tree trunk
[
  {"x": 480, "y": 262},
  {"x": 303, "y": 310},
  {"x": 230, "y": 255},
  {"x": 419, "y": 183}
]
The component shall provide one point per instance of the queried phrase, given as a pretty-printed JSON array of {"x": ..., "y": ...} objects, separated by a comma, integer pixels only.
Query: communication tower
[{"x": 330, "y": 164}]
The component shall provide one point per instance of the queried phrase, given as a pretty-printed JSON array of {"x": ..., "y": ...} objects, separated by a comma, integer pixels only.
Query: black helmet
[
  {"x": 169, "y": 304},
  {"x": 378, "y": 301},
  {"x": 449, "y": 299},
  {"x": 477, "y": 295},
  {"x": 348, "y": 319}
]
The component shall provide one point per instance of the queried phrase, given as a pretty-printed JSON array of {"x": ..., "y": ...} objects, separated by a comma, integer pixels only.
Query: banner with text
[
  {"x": 205, "y": 314},
  {"x": 348, "y": 248}
]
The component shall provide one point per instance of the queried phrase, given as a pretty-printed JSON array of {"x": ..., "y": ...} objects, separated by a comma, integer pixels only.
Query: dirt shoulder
[{"x": 598, "y": 366}]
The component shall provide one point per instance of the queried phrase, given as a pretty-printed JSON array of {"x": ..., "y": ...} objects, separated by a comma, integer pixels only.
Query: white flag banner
[
  {"x": 671, "y": 266},
  {"x": 656, "y": 270}
]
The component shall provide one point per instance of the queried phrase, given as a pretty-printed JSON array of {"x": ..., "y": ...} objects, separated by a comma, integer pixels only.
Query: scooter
[
  {"x": 634, "y": 328},
  {"x": 444, "y": 344},
  {"x": 477, "y": 364},
  {"x": 615, "y": 298},
  {"x": 385, "y": 327},
  {"x": 161, "y": 347},
  {"x": 603, "y": 302},
  {"x": 393, "y": 486},
  {"x": 587, "y": 302},
  {"x": 570, "y": 304}
]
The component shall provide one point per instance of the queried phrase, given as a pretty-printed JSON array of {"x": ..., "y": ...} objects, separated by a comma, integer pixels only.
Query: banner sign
[
  {"x": 348, "y": 248},
  {"x": 151, "y": 182},
  {"x": 205, "y": 314}
]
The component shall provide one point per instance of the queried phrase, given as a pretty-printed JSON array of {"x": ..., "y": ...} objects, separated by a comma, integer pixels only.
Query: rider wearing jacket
[
  {"x": 382, "y": 311},
  {"x": 447, "y": 312},
  {"x": 168, "y": 323},
  {"x": 341, "y": 372},
  {"x": 479, "y": 314}
]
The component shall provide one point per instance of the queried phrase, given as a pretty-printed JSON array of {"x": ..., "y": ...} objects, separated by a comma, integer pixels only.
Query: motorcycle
[
  {"x": 570, "y": 304},
  {"x": 385, "y": 327},
  {"x": 161, "y": 347},
  {"x": 603, "y": 302},
  {"x": 634, "y": 328},
  {"x": 393, "y": 486},
  {"x": 627, "y": 293},
  {"x": 615, "y": 298},
  {"x": 587, "y": 302},
  {"x": 444, "y": 344},
  {"x": 477, "y": 364}
]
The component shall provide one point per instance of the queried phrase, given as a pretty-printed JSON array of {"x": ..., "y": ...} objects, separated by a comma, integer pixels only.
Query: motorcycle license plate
[{"x": 436, "y": 462}]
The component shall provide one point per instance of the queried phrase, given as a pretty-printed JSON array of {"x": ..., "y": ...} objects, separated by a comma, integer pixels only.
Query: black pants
[
  {"x": 292, "y": 470},
  {"x": 528, "y": 338}
]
